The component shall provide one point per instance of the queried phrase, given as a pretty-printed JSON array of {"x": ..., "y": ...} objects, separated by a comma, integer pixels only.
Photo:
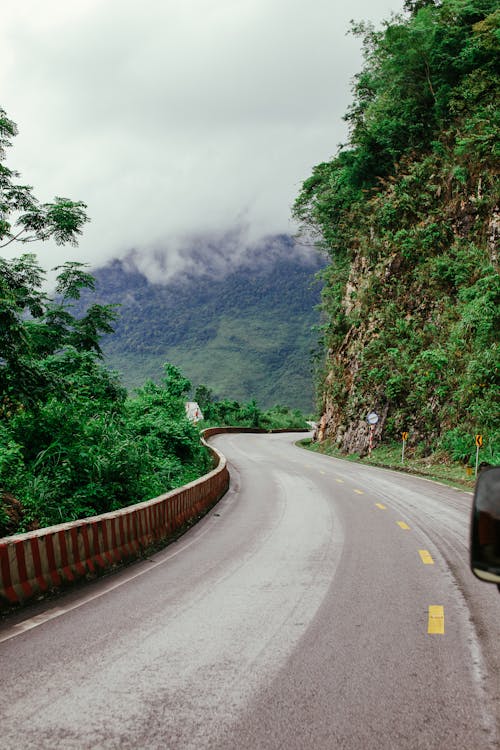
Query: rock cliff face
[
  {"x": 420, "y": 331},
  {"x": 412, "y": 296}
]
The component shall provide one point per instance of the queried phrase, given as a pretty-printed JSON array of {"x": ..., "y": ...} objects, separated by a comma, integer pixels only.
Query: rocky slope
[{"x": 408, "y": 212}]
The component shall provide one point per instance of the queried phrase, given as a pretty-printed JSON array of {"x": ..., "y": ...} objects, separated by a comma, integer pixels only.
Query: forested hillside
[
  {"x": 408, "y": 212},
  {"x": 245, "y": 333}
]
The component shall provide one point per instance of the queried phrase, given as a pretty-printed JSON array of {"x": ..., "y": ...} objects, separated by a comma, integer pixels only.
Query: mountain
[{"x": 245, "y": 333}]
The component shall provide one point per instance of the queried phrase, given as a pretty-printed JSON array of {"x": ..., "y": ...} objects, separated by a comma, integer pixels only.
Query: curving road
[{"x": 295, "y": 615}]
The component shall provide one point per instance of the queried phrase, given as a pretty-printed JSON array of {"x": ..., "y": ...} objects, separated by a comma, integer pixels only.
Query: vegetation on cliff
[{"x": 408, "y": 212}]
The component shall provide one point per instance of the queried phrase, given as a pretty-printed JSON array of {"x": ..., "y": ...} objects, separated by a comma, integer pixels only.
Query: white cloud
[{"x": 173, "y": 119}]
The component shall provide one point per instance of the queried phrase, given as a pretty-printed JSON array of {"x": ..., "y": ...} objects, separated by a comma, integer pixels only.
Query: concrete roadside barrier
[
  {"x": 34, "y": 562},
  {"x": 38, "y": 561}
]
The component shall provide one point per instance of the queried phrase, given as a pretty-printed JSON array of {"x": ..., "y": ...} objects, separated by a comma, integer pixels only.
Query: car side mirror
[{"x": 485, "y": 526}]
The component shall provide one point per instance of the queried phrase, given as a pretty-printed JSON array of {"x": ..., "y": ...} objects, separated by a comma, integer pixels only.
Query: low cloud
[
  {"x": 176, "y": 120},
  {"x": 216, "y": 255}
]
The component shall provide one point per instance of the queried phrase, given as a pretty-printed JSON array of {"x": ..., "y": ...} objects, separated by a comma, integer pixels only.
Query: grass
[{"x": 437, "y": 466}]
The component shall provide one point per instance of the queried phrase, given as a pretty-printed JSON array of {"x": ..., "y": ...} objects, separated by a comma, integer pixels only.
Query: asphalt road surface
[{"x": 320, "y": 605}]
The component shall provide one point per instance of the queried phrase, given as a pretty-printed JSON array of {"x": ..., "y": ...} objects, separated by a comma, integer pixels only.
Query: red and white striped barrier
[{"x": 34, "y": 562}]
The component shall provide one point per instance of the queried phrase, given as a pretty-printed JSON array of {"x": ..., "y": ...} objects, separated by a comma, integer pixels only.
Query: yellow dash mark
[
  {"x": 340, "y": 480},
  {"x": 436, "y": 619},
  {"x": 379, "y": 505},
  {"x": 403, "y": 525},
  {"x": 426, "y": 557},
  {"x": 359, "y": 492},
  {"x": 322, "y": 472}
]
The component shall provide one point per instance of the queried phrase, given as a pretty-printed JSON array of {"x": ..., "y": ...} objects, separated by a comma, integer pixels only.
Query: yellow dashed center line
[
  {"x": 403, "y": 525},
  {"x": 379, "y": 505},
  {"x": 322, "y": 472},
  {"x": 359, "y": 492},
  {"x": 436, "y": 619},
  {"x": 426, "y": 557},
  {"x": 341, "y": 481}
]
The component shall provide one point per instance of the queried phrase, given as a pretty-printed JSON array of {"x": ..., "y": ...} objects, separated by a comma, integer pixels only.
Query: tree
[
  {"x": 23, "y": 218},
  {"x": 413, "y": 6},
  {"x": 32, "y": 325}
]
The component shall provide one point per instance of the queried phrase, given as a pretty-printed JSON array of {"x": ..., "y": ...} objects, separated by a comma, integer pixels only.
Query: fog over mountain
[
  {"x": 216, "y": 256},
  {"x": 239, "y": 321}
]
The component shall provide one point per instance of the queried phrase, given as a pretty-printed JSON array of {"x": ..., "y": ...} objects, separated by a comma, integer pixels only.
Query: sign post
[
  {"x": 404, "y": 435},
  {"x": 479, "y": 442},
  {"x": 372, "y": 419}
]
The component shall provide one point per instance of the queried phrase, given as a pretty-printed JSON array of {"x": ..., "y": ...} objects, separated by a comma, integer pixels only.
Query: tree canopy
[{"x": 23, "y": 218}]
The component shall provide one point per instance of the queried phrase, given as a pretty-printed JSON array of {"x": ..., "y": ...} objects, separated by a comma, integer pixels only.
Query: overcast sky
[{"x": 175, "y": 119}]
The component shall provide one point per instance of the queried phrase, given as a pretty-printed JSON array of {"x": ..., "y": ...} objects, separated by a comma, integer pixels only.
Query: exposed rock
[{"x": 493, "y": 236}]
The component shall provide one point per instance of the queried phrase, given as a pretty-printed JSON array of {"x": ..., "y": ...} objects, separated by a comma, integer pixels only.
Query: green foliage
[
  {"x": 283, "y": 418},
  {"x": 228, "y": 413},
  {"x": 417, "y": 73},
  {"x": 72, "y": 443},
  {"x": 22, "y": 217},
  {"x": 406, "y": 210},
  {"x": 34, "y": 326},
  {"x": 461, "y": 446},
  {"x": 93, "y": 451}
]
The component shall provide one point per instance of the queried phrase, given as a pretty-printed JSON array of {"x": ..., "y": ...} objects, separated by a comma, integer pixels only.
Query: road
[{"x": 295, "y": 615}]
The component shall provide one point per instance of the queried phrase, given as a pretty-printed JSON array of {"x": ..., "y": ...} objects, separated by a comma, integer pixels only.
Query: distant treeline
[{"x": 231, "y": 413}]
